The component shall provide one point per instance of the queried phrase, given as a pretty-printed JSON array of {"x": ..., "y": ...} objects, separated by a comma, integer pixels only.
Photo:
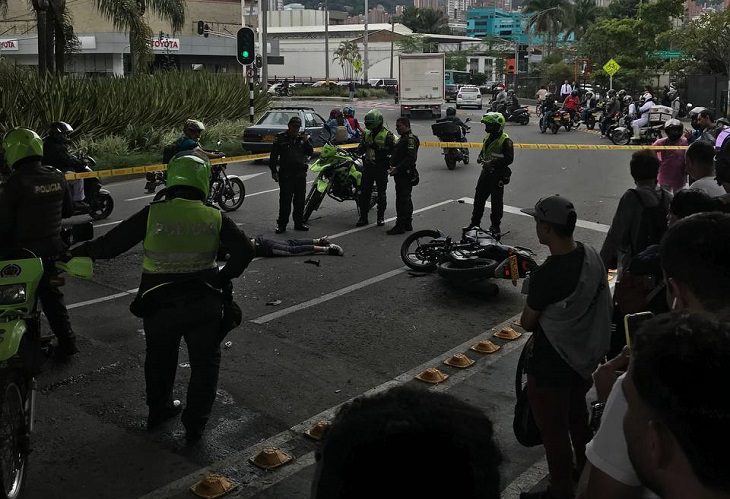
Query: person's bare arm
[
  {"x": 595, "y": 484},
  {"x": 529, "y": 319}
]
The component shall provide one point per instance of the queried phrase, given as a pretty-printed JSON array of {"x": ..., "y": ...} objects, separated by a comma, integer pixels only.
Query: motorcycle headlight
[{"x": 12, "y": 294}]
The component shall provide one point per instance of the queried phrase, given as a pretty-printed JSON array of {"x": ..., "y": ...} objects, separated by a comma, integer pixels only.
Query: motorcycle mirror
[{"x": 467, "y": 120}]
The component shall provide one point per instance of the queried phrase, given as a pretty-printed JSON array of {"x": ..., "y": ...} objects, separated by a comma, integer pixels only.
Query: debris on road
[
  {"x": 228, "y": 344},
  {"x": 313, "y": 262},
  {"x": 274, "y": 303}
]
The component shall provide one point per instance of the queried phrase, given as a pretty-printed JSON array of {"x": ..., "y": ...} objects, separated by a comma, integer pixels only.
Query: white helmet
[{"x": 647, "y": 96}]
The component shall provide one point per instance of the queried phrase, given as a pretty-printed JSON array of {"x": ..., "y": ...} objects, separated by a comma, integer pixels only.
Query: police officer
[
  {"x": 495, "y": 157},
  {"x": 288, "y": 163},
  {"x": 57, "y": 153},
  {"x": 376, "y": 147},
  {"x": 182, "y": 292},
  {"x": 404, "y": 173},
  {"x": 33, "y": 202}
]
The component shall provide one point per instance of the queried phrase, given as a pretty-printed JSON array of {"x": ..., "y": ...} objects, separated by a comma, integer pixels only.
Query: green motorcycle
[
  {"x": 339, "y": 176},
  {"x": 23, "y": 350}
]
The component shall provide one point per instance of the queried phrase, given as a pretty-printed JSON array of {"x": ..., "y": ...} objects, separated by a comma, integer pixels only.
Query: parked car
[
  {"x": 322, "y": 83},
  {"x": 385, "y": 83},
  {"x": 469, "y": 95},
  {"x": 450, "y": 91},
  {"x": 273, "y": 88},
  {"x": 259, "y": 137}
]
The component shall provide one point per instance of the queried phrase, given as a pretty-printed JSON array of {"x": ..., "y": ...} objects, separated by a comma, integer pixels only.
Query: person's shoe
[
  {"x": 381, "y": 221},
  {"x": 361, "y": 222},
  {"x": 469, "y": 227},
  {"x": 322, "y": 241},
  {"x": 396, "y": 229},
  {"x": 193, "y": 434},
  {"x": 495, "y": 231},
  {"x": 65, "y": 349},
  {"x": 280, "y": 229},
  {"x": 158, "y": 416},
  {"x": 150, "y": 187},
  {"x": 302, "y": 227},
  {"x": 335, "y": 250},
  {"x": 408, "y": 227}
]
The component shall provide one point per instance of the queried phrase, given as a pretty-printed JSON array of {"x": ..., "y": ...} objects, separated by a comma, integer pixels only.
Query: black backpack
[
  {"x": 169, "y": 152},
  {"x": 652, "y": 224}
]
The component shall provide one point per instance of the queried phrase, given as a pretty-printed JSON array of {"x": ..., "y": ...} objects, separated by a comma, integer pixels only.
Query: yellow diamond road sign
[{"x": 611, "y": 67}]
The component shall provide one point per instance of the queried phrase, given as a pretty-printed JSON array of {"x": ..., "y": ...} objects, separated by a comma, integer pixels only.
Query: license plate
[{"x": 268, "y": 138}]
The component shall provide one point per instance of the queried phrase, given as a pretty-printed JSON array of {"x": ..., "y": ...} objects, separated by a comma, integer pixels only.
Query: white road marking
[
  {"x": 242, "y": 177},
  {"x": 286, "y": 440},
  {"x": 527, "y": 480},
  {"x": 329, "y": 296},
  {"x": 250, "y": 175},
  {"x": 586, "y": 224},
  {"x": 129, "y": 292},
  {"x": 147, "y": 196}
]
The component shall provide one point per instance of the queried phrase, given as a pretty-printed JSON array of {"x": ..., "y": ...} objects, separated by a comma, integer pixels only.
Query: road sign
[
  {"x": 611, "y": 67},
  {"x": 668, "y": 54},
  {"x": 249, "y": 71}
]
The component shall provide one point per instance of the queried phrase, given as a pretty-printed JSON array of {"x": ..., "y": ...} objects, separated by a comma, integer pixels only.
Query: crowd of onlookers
[{"x": 659, "y": 411}]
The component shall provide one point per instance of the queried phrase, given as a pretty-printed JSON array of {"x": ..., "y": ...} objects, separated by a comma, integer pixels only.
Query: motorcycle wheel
[
  {"x": 524, "y": 120},
  {"x": 620, "y": 137},
  {"x": 543, "y": 127},
  {"x": 554, "y": 128},
  {"x": 230, "y": 197},
  {"x": 13, "y": 435},
  {"x": 465, "y": 156},
  {"x": 450, "y": 161},
  {"x": 483, "y": 268},
  {"x": 102, "y": 207},
  {"x": 420, "y": 258},
  {"x": 314, "y": 199},
  {"x": 568, "y": 127},
  {"x": 590, "y": 123}
]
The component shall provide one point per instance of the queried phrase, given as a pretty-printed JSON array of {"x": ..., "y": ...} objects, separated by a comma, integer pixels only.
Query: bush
[
  {"x": 338, "y": 91},
  {"x": 225, "y": 131},
  {"x": 111, "y": 145}
]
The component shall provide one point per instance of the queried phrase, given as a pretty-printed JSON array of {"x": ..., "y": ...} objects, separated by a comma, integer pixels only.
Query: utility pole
[
  {"x": 365, "y": 45},
  {"x": 326, "y": 42},
  {"x": 392, "y": 34},
  {"x": 40, "y": 7},
  {"x": 264, "y": 43}
]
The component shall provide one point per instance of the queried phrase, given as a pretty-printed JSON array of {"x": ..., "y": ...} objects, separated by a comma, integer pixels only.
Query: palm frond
[{"x": 169, "y": 10}]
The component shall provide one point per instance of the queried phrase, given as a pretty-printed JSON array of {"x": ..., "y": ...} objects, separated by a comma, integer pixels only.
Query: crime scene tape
[{"x": 440, "y": 145}]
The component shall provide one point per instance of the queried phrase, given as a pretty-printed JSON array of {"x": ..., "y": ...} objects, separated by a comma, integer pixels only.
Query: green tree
[
  {"x": 346, "y": 55},
  {"x": 582, "y": 17},
  {"x": 705, "y": 42},
  {"x": 425, "y": 21},
  {"x": 456, "y": 61},
  {"x": 548, "y": 18},
  {"x": 128, "y": 15}
]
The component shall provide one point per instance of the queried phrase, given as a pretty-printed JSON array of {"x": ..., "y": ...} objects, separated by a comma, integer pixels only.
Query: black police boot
[
  {"x": 280, "y": 229},
  {"x": 408, "y": 227},
  {"x": 302, "y": 227},
  {"x": 396, "y": 229},
  {"x": 471, "y": 226},
  {"x": 495, "y": 231},
  {"x": 362, "y": 221},
  {"x": 158, "y": 416},
  {"x": 381, "y": 219},
  {"x": 65, "y": 349}
]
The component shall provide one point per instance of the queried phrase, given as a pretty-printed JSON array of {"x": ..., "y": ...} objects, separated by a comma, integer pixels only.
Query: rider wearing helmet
[
  {"x": 496, "y": 155},
  {"x": 57, "y": 153},
  {"x": 376, "y": 147},
  {"x": 589, "y": 104},
  {"x": 672, "y": 174},
  {"x": 33, "y": 203},
  {"x": 612, "y": 110},
  {"x": 572, "y": 103},
  {"x": 643, "y": 112},
  {"x": 182, "y": 293},
  {"x": 349, "y": 113},
  {"x": 549, "y": 106},
  {"x": 512, "y": 102}
]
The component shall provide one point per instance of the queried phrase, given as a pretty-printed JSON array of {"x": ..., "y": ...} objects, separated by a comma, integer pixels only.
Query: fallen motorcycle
[
  {"x": 339, "y": 176},
  {"x": 478, "y": 255},
  {"x": 24, "y": 349}
]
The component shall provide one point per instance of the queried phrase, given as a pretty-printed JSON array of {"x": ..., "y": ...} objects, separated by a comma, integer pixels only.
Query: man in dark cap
[{"x": 288, "y": 163}]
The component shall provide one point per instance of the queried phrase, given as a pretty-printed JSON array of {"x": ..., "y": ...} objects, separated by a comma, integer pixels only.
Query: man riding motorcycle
[
  {"x": 512, "y": 102},
  {"x": 349, "y": 113},
  {"x": 613, "y": 106},
  {"x": 549, "y": 106},
  {"x": 57, "y": 153},
  {"x": 590, "y": 102},
  {"x": 500, "y": 102},
  {"x": 572, "y": 103},
  {"x": 647, "y": 102},
  {"x": 451, "y": 116}
]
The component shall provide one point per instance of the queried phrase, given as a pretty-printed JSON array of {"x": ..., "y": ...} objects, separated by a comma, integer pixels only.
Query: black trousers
[
  {"x": 374, "y": 175},
  {"x": 53, "y": 305},
  {"x": 197, "y": 318},
  {"x": 291, "y": 188},
  {"x": 403, "y": 201},
  {"x": 488, "y": 185}
]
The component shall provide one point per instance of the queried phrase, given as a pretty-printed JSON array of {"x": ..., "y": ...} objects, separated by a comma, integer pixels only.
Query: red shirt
[{"x": 572, "y": 103}]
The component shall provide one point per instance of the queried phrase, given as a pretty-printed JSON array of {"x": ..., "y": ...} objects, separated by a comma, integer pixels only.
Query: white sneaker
[
  {"x": 322, "y": 241},
  {"x": 335, "y": 250}
]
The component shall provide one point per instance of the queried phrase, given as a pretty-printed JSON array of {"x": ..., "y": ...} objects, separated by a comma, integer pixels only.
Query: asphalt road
[{"x": 349, "y": 325}]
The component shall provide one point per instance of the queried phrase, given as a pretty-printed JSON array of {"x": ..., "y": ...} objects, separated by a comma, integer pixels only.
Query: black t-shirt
[{"x": 553, "y": 281}]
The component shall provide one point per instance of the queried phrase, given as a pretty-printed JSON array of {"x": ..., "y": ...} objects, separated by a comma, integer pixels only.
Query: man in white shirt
[
  {"x": 699, "y": 160},
  {"x": 565, "y": 90},
  {"x": 643, "y": 111},
  {"x": 695, "y": 284}
]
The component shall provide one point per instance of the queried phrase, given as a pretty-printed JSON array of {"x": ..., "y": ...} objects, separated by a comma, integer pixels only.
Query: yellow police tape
[{"x": 441, "y": 145}]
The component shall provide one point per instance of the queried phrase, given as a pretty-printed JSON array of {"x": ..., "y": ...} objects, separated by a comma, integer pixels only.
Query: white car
[{"x": 469, "y": 95}]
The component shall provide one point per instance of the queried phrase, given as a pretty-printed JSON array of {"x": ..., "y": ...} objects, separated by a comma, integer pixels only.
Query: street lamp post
[
  {"x": 326, "y": 41},
  {"x": 392, "y": 34},
  {"x": 365, "y": 45}
]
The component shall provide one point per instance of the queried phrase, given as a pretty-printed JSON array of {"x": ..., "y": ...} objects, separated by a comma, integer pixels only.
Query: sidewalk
[{"x": 488, "y": 384}]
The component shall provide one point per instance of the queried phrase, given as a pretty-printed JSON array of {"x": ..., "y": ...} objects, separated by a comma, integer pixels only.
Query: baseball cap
[{"x": 552, "y": 209}]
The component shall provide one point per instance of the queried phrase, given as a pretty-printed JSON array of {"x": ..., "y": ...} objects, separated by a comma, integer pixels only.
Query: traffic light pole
[{"x": 250, "y": 98}]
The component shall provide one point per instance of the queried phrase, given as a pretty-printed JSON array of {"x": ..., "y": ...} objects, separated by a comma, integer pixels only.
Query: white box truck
[{"x": 421, "y": 85}]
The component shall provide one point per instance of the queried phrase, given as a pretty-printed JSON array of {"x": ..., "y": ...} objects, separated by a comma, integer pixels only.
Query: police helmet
[
  {"x": 450, "y": 111},
  {"x": 493, "y": 122},
  {"x": 194, "y": 126},
  {"x": 373, "y": 119},
  {"x": 20, "y": 144},
  {"x": 60, "y": 128},
  {"x": 190, "y": 171}
]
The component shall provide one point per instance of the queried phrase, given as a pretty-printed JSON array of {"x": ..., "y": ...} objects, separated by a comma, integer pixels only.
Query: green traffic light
[{"x": 245, "y": 53}]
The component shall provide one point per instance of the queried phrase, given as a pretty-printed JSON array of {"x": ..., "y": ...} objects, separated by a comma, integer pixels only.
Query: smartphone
[{"x": 632, "y": 323}]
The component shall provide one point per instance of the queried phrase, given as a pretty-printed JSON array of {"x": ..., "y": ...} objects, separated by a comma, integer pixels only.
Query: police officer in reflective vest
[
  {"x": 376, "y": 147},
  {"x": 182, "y": 292},
  {"x": 405, "y": 175},
  {"x": 33, "y": 202},
  {"x": 496, "y": 156}
]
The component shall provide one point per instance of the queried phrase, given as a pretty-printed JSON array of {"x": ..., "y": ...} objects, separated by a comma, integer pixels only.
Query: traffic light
[
  {"x": 245, "y": 44},
  {"x": 201, "y": 27},
  {"x": 206, "y": 29},
  {"x": 259, "y": 61}
]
